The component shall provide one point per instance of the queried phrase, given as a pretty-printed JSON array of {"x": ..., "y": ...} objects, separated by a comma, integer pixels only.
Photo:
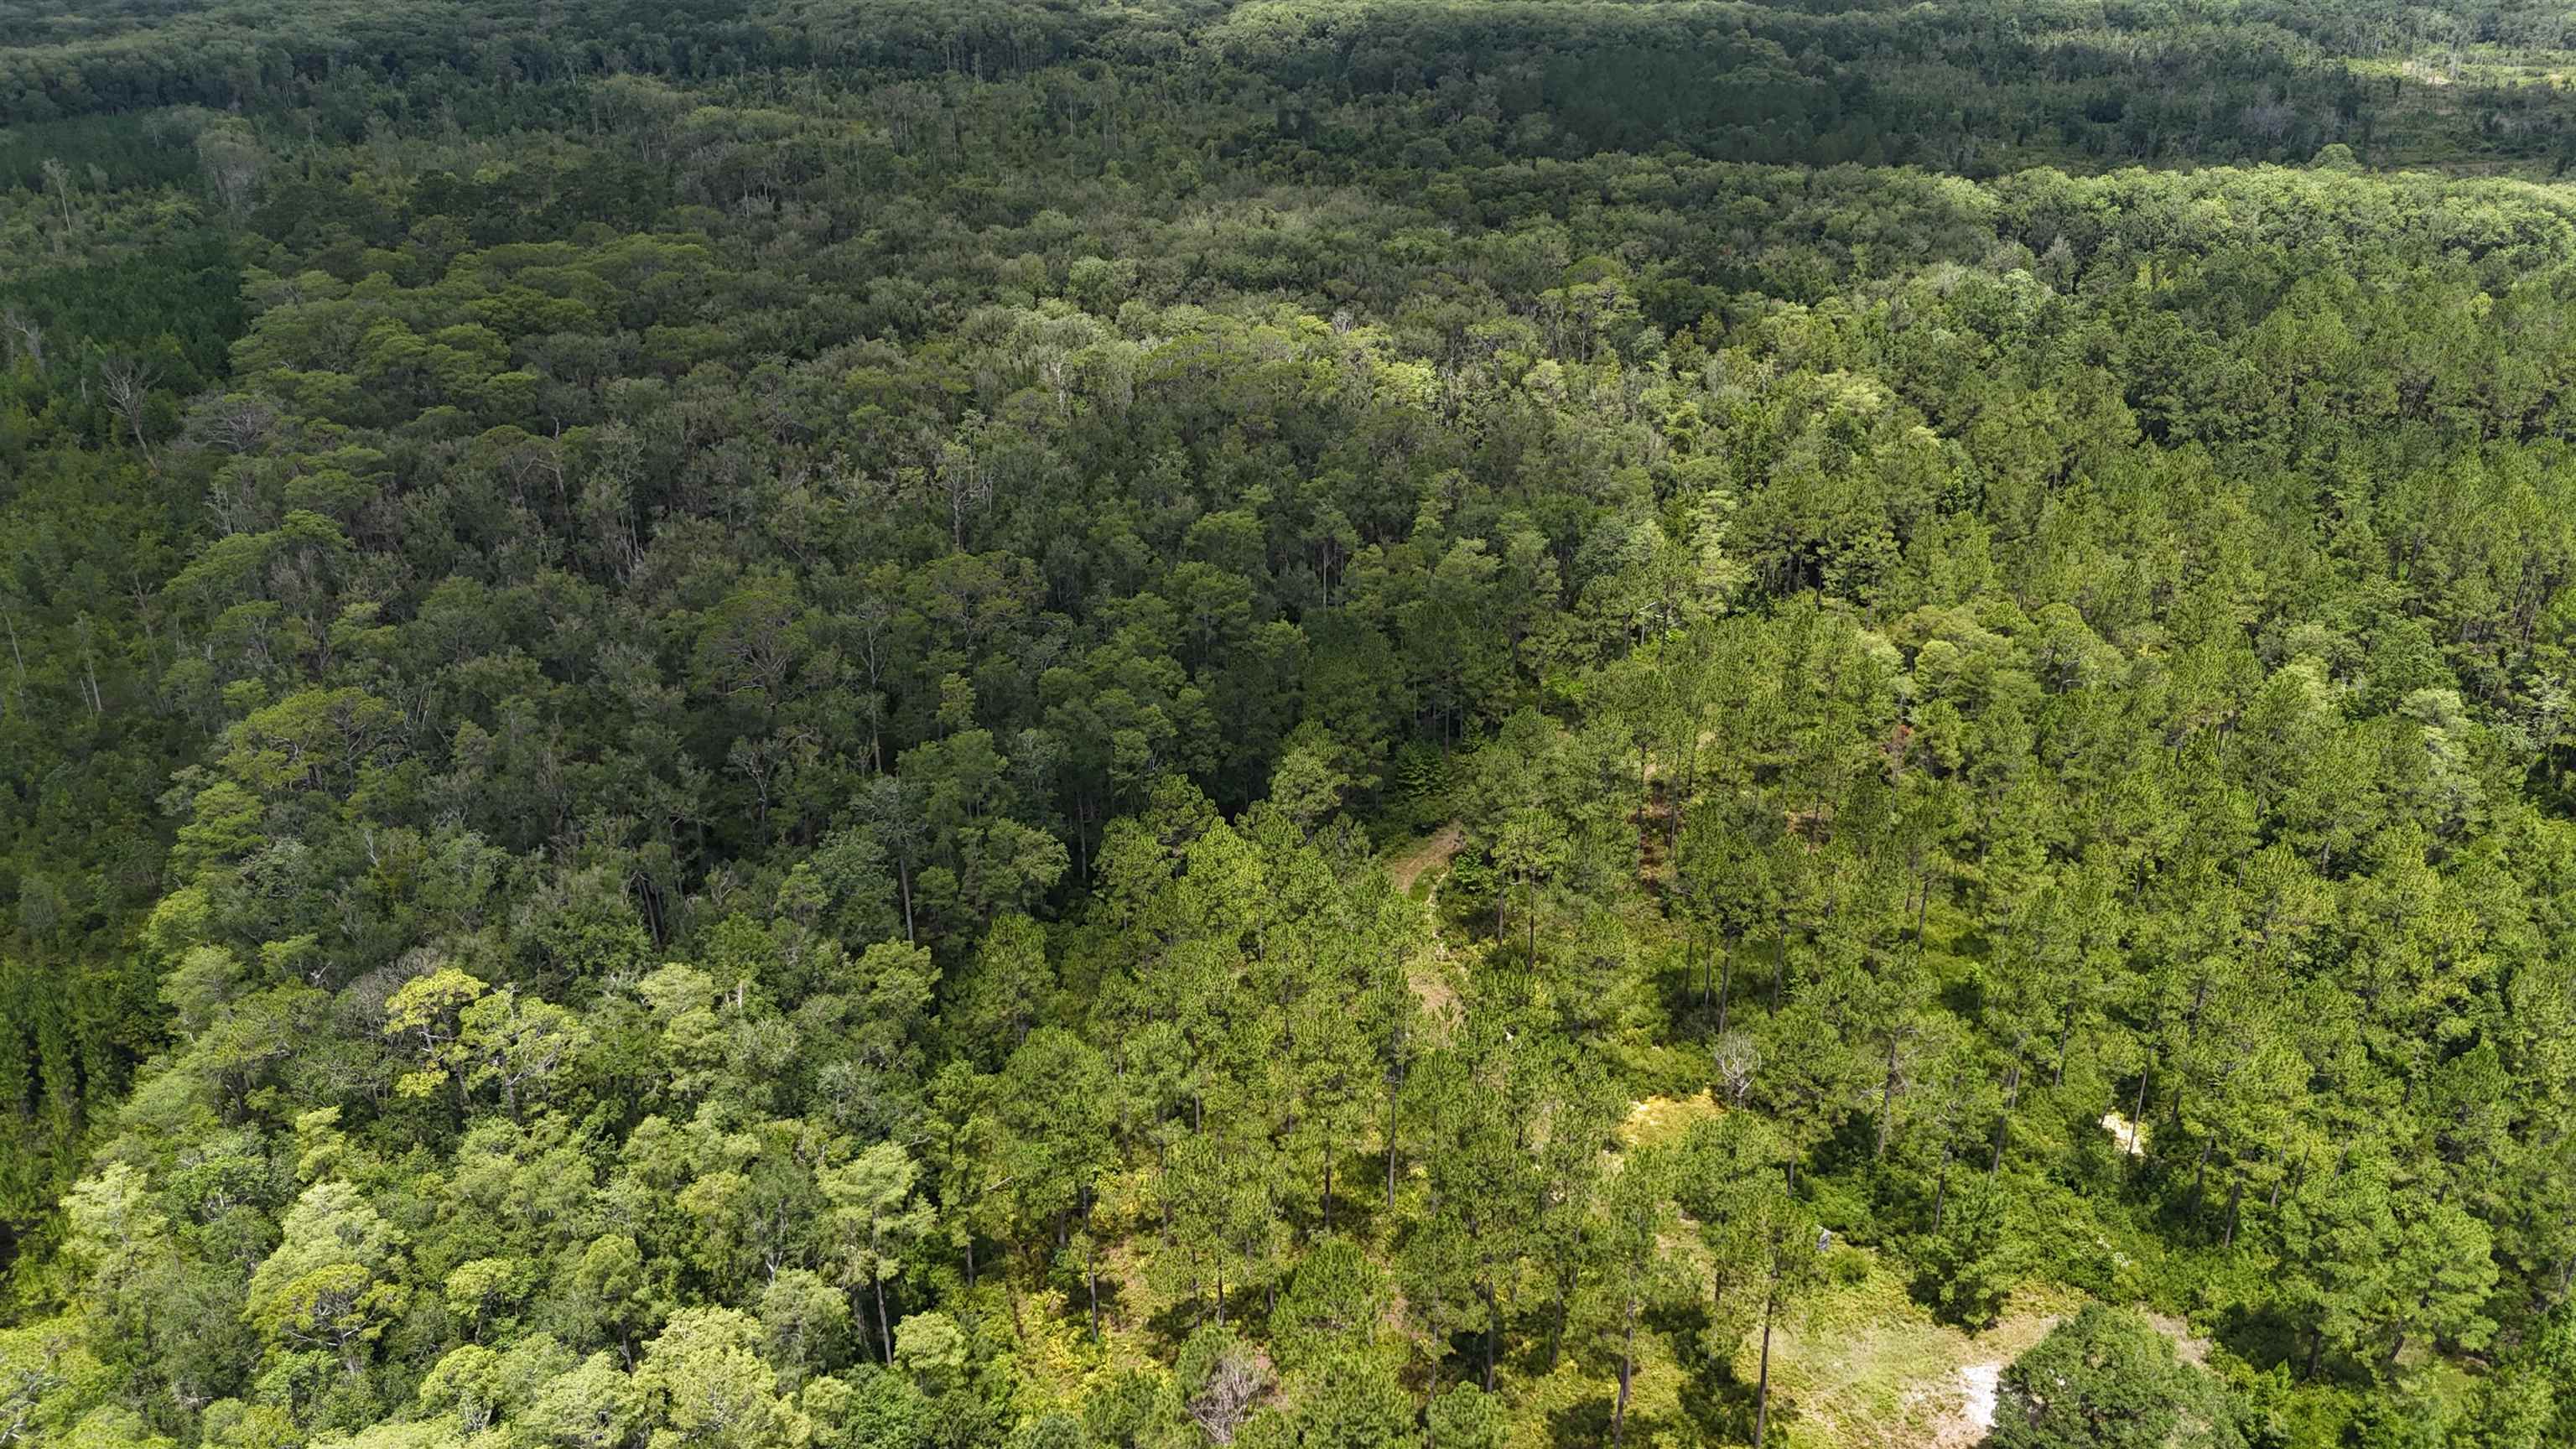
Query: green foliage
[
  {"x": 696, "y": 698},
  {"x": 2106, "y": 1379},
  {"x": 1965, "y": 1275}
]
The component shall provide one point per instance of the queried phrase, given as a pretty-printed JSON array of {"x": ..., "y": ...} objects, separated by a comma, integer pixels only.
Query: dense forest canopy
[{"x": 1332, "y": 723}]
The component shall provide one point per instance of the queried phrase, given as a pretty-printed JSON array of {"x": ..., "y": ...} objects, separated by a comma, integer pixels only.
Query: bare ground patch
[
  {"x": 2190, "y": 1347},
  {"x": 1432, "y": 854}
]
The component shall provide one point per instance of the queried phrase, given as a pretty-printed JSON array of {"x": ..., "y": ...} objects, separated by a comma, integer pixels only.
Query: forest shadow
[
  {"x": 1715, "y": 1404},
  {"x": 2264, "y": 1337},
  {"x": 1583, "y": 1424}
]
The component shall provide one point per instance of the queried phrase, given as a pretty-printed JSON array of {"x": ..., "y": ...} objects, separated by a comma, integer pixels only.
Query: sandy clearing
[
  {"x": 1977, "y": 1385},
  {"x": 2130, "y": 1137}
]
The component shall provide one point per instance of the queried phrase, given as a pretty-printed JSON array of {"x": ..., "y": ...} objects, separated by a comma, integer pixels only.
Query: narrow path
[
  {"x": 1431, "y": 854},
  {"x": 1429, "y": 983}
]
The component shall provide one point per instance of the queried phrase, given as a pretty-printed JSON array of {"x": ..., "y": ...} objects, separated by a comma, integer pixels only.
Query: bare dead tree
[
  {"x": 1221, "y": 1407},
  {"x": 237, "y": 423},
  {"x": 59, "y": 177},
  {"x": 17, "y": 656},
  {"x": 24, "y": 335},
  {"x": 963, "y": 473},
  {"x": 126, "y": 383},
  {"x": 231, "y": 158}
]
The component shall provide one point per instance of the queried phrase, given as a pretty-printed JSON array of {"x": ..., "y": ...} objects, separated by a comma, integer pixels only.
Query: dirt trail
[
  {"x": 1431, "y": 854},
  {"x": 1427, "y": 977}
]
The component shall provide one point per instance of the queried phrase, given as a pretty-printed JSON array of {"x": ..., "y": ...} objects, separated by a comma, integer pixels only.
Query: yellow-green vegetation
[
  {"x": 1867, "y": 1367},
  {"x": 1661, "y": 1121}
]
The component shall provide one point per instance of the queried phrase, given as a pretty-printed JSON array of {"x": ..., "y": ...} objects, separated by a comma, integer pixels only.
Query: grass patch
[{"x": 1868, "y": 1368}]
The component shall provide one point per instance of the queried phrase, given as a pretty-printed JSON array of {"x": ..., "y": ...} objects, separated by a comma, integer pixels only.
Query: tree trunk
[
  {"x": 1529, "y": 907},
  {"x": 1762, "y": 1385},
  {"x": 1390, "y": 1153},
  {"x": 1627, "y": 1368},
  {"x": 2003, "y": 1121},
  {"x": 885, "y": 1335},
  {"x": 1725, "y": 982},
  {"x": 1493, "y": 1330},
  {"x": 1886, "y": 1102},
  {"x": 2138, "y": 1114},
  {"x": 1556, "y": 1320},
  {"x": 903, "y": 875}
]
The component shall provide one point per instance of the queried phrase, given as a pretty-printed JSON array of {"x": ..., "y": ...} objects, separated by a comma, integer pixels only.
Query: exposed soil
[
  {"x": 1977, "y": 1385},
  {"x": 1432, "y": 854}
]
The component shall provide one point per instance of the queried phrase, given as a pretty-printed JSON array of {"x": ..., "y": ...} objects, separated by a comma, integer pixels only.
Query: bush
[{"x": 2107, "y": 1379}]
